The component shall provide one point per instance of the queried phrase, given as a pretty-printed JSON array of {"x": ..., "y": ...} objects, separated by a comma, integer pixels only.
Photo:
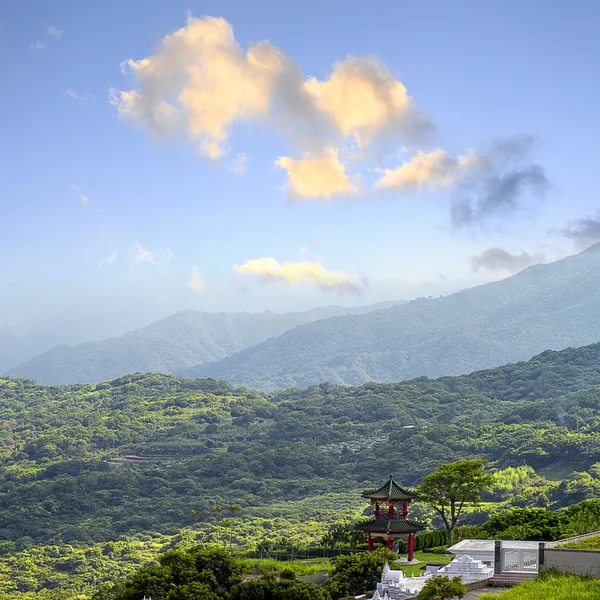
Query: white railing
[
  {"x": 519, "y": 560},
  {"x": 577, "y": 538}
]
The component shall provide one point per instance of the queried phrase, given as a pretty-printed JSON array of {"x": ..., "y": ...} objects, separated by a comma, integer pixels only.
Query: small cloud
[
  {"x": 109, "y": 259},
  {"x": 83, "y": 99},
  {"x": 38, "y": 46},
  {"x": 270, "y": 270},
  {"x": 500, "y": 188},
  {"x": 55, "y": 31},
  {"x": 196, "y": 282},
  {"x": 584, "y": 232},
  {"x": 75, "y": 188},
  {"x": 238, "y": 166},
  {"x": 169, "y": 255},
  {"x": 84, "y": 199},
  {"x": 303, "y": 250},
  {"x": 143, "y": 255},
  {"x": 497, "y": 259},
  {"x": 426, "y": 172},
  {"x": 316, "y": 176}
]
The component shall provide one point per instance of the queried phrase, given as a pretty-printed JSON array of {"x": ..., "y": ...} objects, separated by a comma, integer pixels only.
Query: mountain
[
  {"x": 25, "y": 334},
  {"x": 169, "y": 345},
  {"x": 140, "y": 453},
  {"x": 548, "y": 306}
]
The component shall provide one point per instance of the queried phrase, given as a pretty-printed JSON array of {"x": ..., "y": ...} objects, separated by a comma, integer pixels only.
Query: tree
[
  {"x": 357, "y": 573},
  {"x": 449, "y": 488},
  {"x": 439, "y": 587}
]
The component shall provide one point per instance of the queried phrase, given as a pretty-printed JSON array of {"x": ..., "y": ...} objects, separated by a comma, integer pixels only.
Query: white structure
[
  {"x": 395, "y": 585},
  {"x": 483, "y": 550},
  {"x": 468, "y": 569}
]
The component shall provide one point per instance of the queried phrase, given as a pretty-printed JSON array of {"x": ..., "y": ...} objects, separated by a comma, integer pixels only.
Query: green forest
[{"x": 146, "y": 459}]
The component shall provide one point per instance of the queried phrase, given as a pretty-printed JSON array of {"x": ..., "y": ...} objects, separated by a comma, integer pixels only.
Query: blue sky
[{"x": 479, "y": 72}]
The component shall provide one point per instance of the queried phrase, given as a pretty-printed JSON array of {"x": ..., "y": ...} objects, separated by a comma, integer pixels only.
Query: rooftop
[
  {"x": 478, "y": 546},
  {"x": 391, "y": 526},
  {"x": 390, "y": 490}
]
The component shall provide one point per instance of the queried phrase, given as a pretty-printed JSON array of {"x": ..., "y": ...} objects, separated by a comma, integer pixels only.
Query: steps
[{"x": 511, "y": 578}]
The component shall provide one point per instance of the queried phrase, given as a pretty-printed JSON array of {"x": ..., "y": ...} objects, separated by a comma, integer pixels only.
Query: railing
[
  {"x": 519, "y": 560},
  {"x": 577, "y": 538}
]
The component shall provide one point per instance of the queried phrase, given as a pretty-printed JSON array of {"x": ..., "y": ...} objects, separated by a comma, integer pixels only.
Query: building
[
  {"x": 390, "y": 506},
  {"x": 483, "y": 550}
]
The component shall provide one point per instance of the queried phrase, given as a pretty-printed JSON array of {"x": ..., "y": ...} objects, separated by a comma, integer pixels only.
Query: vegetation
[
  {"x": 453, "y": 485},
  {"x": 170, "y": 345},
  {"x": 355, "y": 574},
  {"x": 294, "y": 461},
  {"x": 545, "y": 306},
  {"x": 552, "y": 586},
  {"x": 541, "y": 524},
  {"x": 440, "y": 587},
  {"x": 592, "y": 543}
]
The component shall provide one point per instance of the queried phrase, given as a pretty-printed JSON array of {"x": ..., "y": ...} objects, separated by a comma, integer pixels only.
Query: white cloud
[
  {"x": 238, "y": 166},
  {"x": 75, "y": 188},
  {"x": 38, "y": 46},
  {"x": 269, "y": 270},
  {"x": 109, "y": 259},
  {"x": 83, "y": 99},
  {"x": 364, "y": 101},
  {"x": 303, "y": 250},
  {"x": 201, "y": 82},
  {"x": 84, "y": 199},
  {"x": 429, "y": 171},
  {"x": 196, "y": 282},
  {"x": 317, "y": 176},
  {"x": 143, "y": 255},
  {"x": 55, "y": 31},
  {"x": 169, "y": 255}
]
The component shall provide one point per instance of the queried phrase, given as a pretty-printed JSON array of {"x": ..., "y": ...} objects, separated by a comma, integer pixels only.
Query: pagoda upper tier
[{"x": 391, "y": 491}]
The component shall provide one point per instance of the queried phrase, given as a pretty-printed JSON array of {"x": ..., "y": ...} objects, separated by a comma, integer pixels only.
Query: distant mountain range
[
  {"x": 170, "y": 345},
  {"x": 550, "y": 306}
]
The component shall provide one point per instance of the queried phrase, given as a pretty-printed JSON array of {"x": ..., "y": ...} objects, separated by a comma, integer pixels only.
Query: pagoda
[{"x": 391, "y": 520}]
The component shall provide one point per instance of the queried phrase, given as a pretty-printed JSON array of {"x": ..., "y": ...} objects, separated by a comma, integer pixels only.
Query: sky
[{"x": 252, "y": 156}]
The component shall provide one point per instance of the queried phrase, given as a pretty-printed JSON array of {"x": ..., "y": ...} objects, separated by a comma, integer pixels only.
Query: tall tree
[{"x": 448, "y": 489}]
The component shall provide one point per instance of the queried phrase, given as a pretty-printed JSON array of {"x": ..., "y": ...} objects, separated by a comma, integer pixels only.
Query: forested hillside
[
  {"x": 65, "y": 473},
  {"x": 169, "y": 345},
  {"x": 546, "y": 306}
]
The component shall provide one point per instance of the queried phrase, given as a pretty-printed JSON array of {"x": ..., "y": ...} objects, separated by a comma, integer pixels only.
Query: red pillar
[
  {"x": 390, "y": 543},
  {"x": 405, "y": 510},
  {"x": 377, "y": 510},
  {"x": 371, "y": 547},
  {"x": 411, "y": 545},
  {"x": 391, "y": 511}
]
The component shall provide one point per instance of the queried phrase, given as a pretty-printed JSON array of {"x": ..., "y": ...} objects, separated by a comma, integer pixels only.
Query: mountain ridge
[
  {"x": 546, "y": 306},
  {"x": 178, "y": 341}
]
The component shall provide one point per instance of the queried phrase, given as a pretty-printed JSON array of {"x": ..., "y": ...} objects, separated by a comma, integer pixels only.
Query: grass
[
  {"x": 424, "y": 558},
  {"x": 552, "y": 586},
  {"x": 300, "y": 567},
  {"x": 589, "y": 544}
]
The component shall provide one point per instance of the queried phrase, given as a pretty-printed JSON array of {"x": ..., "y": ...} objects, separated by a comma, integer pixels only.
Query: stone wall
[{"x": 577, "y": 562}]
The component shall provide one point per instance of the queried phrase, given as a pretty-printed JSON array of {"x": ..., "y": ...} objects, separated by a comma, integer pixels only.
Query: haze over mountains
[
  {"x": 169, "y": 345},
  {"x": 550, "y": 306}
]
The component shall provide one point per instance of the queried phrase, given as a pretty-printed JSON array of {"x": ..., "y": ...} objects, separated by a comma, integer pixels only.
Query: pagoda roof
[
  {"x": 390, "y": 491},
  {"x": 391, "y": 526}
]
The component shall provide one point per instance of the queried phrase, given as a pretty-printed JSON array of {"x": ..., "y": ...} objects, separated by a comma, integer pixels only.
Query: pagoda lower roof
[{"x": 391, "y": 526}]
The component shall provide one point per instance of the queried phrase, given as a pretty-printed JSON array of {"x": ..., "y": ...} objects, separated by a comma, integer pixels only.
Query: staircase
[{"x": 511, "y": 578}]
